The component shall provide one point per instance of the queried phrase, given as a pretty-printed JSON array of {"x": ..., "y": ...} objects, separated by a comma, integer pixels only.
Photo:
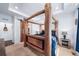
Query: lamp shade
[
  {"x": 5, "y": 28},
  {"x": 64, "y": 33}
]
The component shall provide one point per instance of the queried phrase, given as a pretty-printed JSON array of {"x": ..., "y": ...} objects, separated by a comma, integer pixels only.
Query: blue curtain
[
  {"x": 77, "y": 39},
  {"x": 54, "y": 46}
]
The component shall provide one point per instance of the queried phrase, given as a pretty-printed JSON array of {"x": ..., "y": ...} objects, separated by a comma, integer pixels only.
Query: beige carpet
[
  {"x": 61, "y": 51},
  {"x": 19, "y": 50}
]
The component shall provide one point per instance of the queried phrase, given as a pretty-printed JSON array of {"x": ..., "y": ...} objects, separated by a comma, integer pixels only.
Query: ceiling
[
  {"x": 4, "y": 9},
  {"x": 64, "y": 8},
  {"x": 27, "y": 9}
]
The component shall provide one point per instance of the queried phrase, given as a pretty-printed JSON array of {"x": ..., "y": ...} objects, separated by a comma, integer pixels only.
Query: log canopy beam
[
  {"x": 36, "y": 14},
  {"x": 34, "y": 23}
]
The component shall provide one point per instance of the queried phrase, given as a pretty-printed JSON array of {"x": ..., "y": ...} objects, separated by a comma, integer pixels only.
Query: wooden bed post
[{"x": 48, "y": 17}]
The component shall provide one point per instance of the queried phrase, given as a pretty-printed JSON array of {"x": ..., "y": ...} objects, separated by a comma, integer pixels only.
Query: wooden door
[{"x": 24, "y": 30}]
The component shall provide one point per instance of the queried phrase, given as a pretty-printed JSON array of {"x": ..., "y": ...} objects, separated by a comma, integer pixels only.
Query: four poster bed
[{"x": 40, "y": 42}]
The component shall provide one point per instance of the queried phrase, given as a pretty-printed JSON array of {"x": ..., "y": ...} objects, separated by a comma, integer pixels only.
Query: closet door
[{"x": 77, "y": 39}]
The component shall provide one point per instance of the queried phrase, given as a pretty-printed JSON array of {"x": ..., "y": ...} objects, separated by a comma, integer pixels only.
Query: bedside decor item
[
  {"x": 76, "y": 21},
  {"x": 5, "y": 28},
  {"x": 28, "y": 30},
  {"x": 64, "y": 35},
  {"x": 66, "y": 43}
]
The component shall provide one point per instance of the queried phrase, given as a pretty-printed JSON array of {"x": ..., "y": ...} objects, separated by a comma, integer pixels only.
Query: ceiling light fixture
[
  {"x": 60, "y": 7},
  {"x": 57, "y": 8},
  {"x": 16, "y": 7}
]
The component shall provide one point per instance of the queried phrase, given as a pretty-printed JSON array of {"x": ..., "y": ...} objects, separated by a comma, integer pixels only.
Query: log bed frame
[{"x": 41, "y": 43}]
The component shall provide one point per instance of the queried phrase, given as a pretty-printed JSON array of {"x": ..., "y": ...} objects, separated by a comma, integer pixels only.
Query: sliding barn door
[
  {"x": 77, "y": 40},
  {"x": 24, "y": 28}
]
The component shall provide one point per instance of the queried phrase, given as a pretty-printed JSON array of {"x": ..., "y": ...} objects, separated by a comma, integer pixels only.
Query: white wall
[
  {"x": 6, "y": 19},
  {"x": 16, "y": 30},
  {"x": 66, "y": 23},
  {"x": 52, "y": 25},
  {"x": 34, "y": 28},
  {"x": 7, "y": 35},
  {"x": 13, "y": 25},
  {"x": 75, "y": 28}
]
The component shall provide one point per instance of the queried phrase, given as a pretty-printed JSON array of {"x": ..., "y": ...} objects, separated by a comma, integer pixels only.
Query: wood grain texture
[
  {"x": 37, "y": 41},
  {"x": 24, "y": 30},
  {"x": 34, "y": 23},
  {"x": 47, "y": 26}
]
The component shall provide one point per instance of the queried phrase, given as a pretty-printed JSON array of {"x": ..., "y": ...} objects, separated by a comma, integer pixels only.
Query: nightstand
[{"x": 65, "y": 43}]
